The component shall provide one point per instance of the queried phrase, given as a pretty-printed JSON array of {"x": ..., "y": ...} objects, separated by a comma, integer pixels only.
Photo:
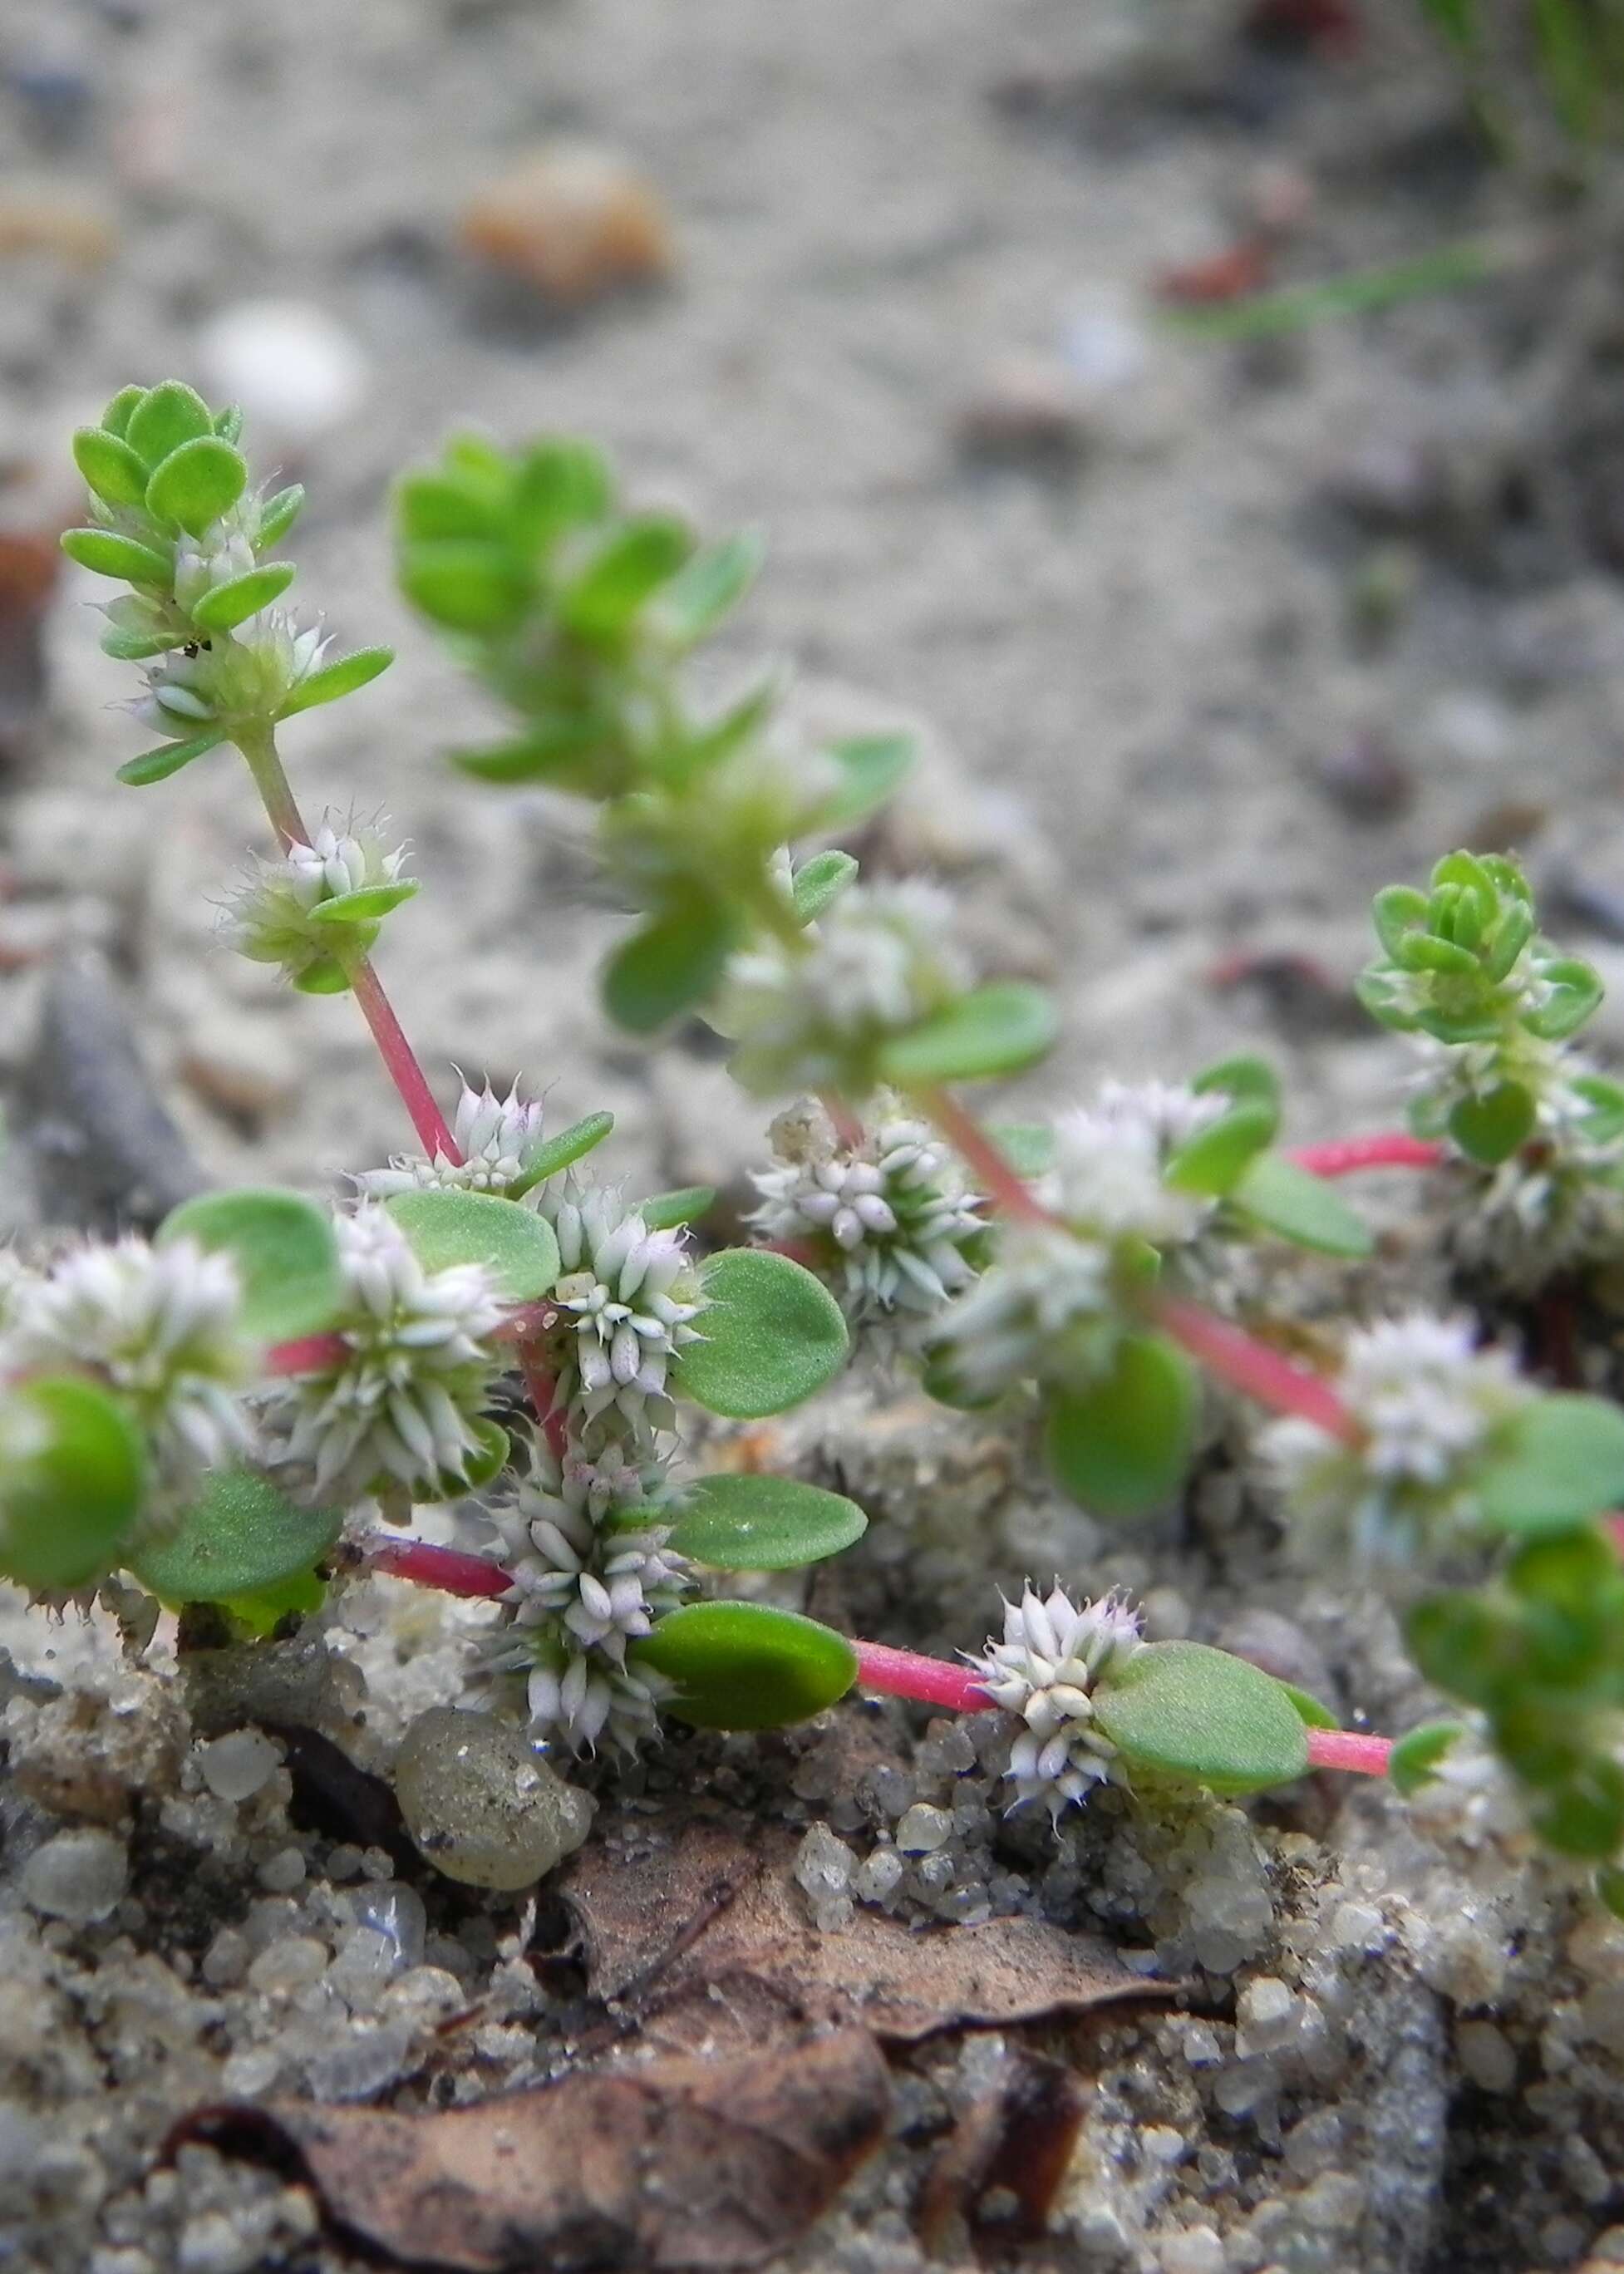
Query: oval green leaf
[
  {"x": 1491, "y": 1128},
  {"x": 284, "y": 1250},
  {"x": 1560, "y": 1461},
  {"x": 1290, "y": 1202},
  {"x": 820, "y": 884},
  {"x": 642, "y": 555},
  {"x": 560, "y": 1152},
  {"x": 466, "y": 586},
  {"x": 1415, "y": 1756},
  {"x": 226, "y": 605},
  {"x": 872, "y": 766},
  {"x": 1215, "y": 1159},
  {"x": 1122, "y": 1447},
  {"x": 515, "y": 1246},
  {"x": 773, "y": 1336},
  {"x": 669, "y": 966},
  {"x": 156, "y": 766},
  {"x": 708, "y": 589},
  {"x": 995, "y": 1029},
  {"x": 239, "y": 1537},
  {"x": 664, "y": 1211},
  {"x": 339, "y": 679},
  {"x": 110, "y": 467},
  {"x": 166, "y": 417},
  {"x": 278, "y": 515},
  {"x": 1184, "y": 1712},
  {"x": 364, "y": 906},
  {"x": 742, "y": 1666},
  {"x": 196, "y": 484},
  {"x": 108, "y": 554},
  {"x": 67, "y": 1503},
  {"x": 763, "y": 1524}
]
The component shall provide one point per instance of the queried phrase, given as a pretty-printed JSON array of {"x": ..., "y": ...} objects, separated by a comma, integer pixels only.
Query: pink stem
[
  {"x": 1252, "y": 1368},
  {"x": 1007, "y": 1192},
  {"x": 932, "y": 1681},
  {"x": 1346, "y": 1749},
  {"x": 310, "y": 1354},
  {"x": 401, "y": 1064},
  {"x": 543, "y": 1397},
  {"x": 1392, "y": 1149},
  {"x": 426, "y": 1566}
]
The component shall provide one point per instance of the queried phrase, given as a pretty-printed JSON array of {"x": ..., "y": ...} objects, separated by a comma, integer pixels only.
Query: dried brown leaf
[
  {"x": 691, "y": 1926},
  {"x": 1003, "y": 2161},
  {"x": 667, "y": 2164}
]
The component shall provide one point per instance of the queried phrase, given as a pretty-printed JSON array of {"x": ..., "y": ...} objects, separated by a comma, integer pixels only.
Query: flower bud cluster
[
  {"x": 1430, "y": 1407},
  {"x": 304, "y": 913},
  {"x": 1054, "y": 1655},
  {"x": 888, "y": 1223},
  {"x": 628, "y": 1298},
  {"x": 496, "y": 1137}
]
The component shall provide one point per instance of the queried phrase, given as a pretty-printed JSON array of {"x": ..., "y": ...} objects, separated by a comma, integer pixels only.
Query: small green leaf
[
  {"x": 1576, "y": 994},
  {"x": 741, "y": 1666},
  {"x": 564, "y": 748},
  {"x": 1215, "y": 1159},
  {"x": 772, "y": 1335},
  {"x": 560, "y": 483},
  {"x": 284, "y": 1250},
  {"x": 1414, "y": 1758},
  {"x": 261, "y": 1613},
  {"x": 642, "y": 555},
  {"x": 278, "y": 514},
  {"x": 338, "y": 679},
  {"x": 158, "y": 764},
  {"x": 325, "y": 976},
  {"x": 226, "y": 605},
  {"x": 996, "y": 1029},
  {"x": 1490, "y": 1129},
  {"x": 110, "y": 467},
  {"x": 1123, "y": 1447},
  {"x": 68, "y": 1500},
  {"x": 515, "y": 1246},
  {"x": 1027, "y": 1146},
  {"x": 708, "y": 589},
  {"x": 873, "y": 766},
  {"x": 117, "y": 415},
  {"x": 560, "y": 1152},
  {"x": 763, "y": 1524},
  {"x": 1560, "y": 1461},
  {"x": 821, "y": 883},
  {"x": 671, "y": 965},
  {"x": 135, "y": 647},
  {"x": 109, "y": 555},
  {"x": 240, "y": 1537},
  {"x": 228, "y": 423},
  {"x": 1283, "y": 1198},
  {"x": 364, "y": 906},
  {"x": 464, "y": 584},
  {"x": 165, "y": 417},
  {"x": 1247, "y": 1080},
  {"x": 431, "y": 508},
  {"x": 1309, "y": 1711},
  {"x": 196, "y": 484},
  {"x": 1194, "y": 1715},
  {"x": 664, "y": 1211}
]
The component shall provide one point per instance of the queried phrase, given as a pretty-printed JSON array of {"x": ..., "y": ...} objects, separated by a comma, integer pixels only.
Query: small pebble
[
  {"x": 78, "y": 1876},
  {"x": 294, "y": 1963},
  {"x": 573, "y": 222},
  {"x": 237, "y": 1767},
  {"x": 1198, "y": 2250},
  {"x": 283, "y": 1872},
  {"x": 1365, "y": 777},
  {"x": 481, "y": 1806},
  {"x": 295, "y": 371},
  {"x": 924, "y": 1830}
]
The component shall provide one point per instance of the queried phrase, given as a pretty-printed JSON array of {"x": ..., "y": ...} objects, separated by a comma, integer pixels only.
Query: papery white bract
[{"x": 1053, "y": 1654}]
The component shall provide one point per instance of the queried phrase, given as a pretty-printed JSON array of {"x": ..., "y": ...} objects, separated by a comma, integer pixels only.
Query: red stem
[
  {"x": 1252, "y": 1368},
  {"x": 427, "y": 1566},
  {"x": 1346, "y": 1749},
  {"x": 401, "y": 1064},
  {"x": 1392, "y": 1149},
  {"x": 932, "y": 1681},
  {"x": 1008, "y": 1192},
  {"x": 310, "y": 1354}
]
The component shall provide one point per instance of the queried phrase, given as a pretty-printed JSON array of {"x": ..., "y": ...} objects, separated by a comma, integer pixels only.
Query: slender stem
[
  {"x": 543, "y": 1389},
  {"x": 310, "y": 1354},
  {"x": 1346, "y": 1749},
  {"x": 932, "y": 1681},
  {"x": 1394, "y": 1149},
  {"x": 1252, "y": 1366},
  {"x": 427, "y": 1566},
  {"x": 1007, "y": 1192},
  {"x": 258, "y": 746}
]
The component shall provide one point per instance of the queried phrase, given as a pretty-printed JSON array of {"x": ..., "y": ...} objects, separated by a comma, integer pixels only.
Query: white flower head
[
  {"x": 404, "y": 1399},
  {"x": 1429, "y": 1406},
  {"x": 248, "y": 673},
  {"x": 1045, "y": 1310},
  {"x": 1054, "y": 1654},
  {"x": 889, "y": 1219},
  {"x": 882, "y": 958},
  {"x": 1110, "y": 1158},
  {"x": 161, "y": 1326},
  {"x": 270, "y": 920},
  {"x": 628, "y": 1297},
  {"x": 222, "y": 554},
  {"x": 496, "y": 1137}
]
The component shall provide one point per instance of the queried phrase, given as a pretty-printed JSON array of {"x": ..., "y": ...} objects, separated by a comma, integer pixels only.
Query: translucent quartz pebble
[
  {"x": 78, "y": 1876},
  {"x": 481, "y": 1806}
]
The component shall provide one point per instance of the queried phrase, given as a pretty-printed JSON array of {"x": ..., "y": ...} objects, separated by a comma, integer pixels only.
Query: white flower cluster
[
  {"x": 250, "y": 673},
  {"x": 882, "y": 958},
  {"x": 496, "y": 1137},
  {"x": 159, "y": 1325},
  {"x": 1110, "y": 1156},
  {"x": 404, "y": 1400},
  {"x": 1558, "y": 1203},
  {"x": 585, "y": 1544},
  {"x": 1046, "y": 1309},
  {"x": 1054, "y": 1654},
  {"x": 629, "y": 1297},
  {"x": 1428, "y": 1406},
  {"x": 270, "y": 920},
  {"x": 888, "y": 1220}
]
